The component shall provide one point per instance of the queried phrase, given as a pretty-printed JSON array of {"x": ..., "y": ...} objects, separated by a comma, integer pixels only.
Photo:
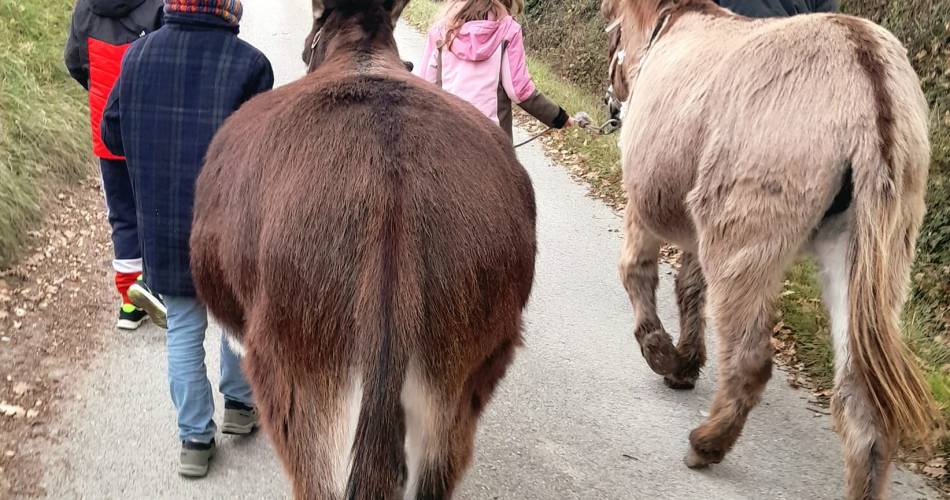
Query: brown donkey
[
  {"x": 746, "y": 143},
  {"x": 371, "y": 241}
]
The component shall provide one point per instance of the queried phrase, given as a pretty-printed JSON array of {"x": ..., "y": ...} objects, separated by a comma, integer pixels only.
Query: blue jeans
[{"x": 188, "y": 375}]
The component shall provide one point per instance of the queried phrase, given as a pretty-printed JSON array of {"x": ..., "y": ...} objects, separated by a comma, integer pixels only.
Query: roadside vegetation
[
  {"x": 567, "y": 54},
  {"x": 42, "y": 116}
]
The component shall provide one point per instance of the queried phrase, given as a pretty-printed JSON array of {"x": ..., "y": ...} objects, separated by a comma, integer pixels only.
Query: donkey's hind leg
[
  {"x": 691, "y": 299},
  {"x": 440, "y": 427},
  {"x": 742, "y": 289},
  {"x": 868, "y": 446},
  {"x": 640, "y": 275},
  {"x": 310, "y": 416}
]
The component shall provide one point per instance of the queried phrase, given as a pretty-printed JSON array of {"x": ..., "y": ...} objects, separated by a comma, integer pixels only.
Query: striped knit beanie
[{"x": 229, "y": 10}]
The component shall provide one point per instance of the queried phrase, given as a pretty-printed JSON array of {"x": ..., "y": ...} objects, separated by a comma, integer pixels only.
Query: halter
[
  {"x": 313, "y": 49},
  {"x": 316, "y": 41},
  {"x": 615, "y": 61},
  {"x": 620, "y": 55},
  {"x": 657, "y": 32}
]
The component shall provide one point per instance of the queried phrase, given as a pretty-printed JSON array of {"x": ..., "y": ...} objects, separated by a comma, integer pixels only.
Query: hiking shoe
[
  {"x": 239, "y": 418},
  {"x": 194, "y": 458},
  {"x": 130, "y": 317},
  {"x": 143, "y": 298}
]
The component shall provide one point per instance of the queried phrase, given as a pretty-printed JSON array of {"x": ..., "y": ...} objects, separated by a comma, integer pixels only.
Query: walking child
[
  {"x": 100, "y": 33},
  {"x": 476, "y": 51},
  {"x": 177, "y": 87}
]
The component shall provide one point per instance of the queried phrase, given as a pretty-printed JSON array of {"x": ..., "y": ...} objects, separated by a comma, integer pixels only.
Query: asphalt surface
[{"x": 580, "y": 415}]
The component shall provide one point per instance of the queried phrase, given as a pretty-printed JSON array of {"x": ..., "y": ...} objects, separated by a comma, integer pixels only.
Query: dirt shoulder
[{"x": 53, "y": 304}]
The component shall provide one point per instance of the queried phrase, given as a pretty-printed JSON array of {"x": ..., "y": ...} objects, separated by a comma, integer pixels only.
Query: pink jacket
[{"x": 486, "y": 66}]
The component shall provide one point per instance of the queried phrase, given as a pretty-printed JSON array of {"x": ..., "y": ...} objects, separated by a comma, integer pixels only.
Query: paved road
[{"x": 579, "y": 416}]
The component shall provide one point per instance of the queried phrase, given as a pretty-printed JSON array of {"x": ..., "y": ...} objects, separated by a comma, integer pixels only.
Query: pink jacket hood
[
  {"x": 486, "y": 66},
  {"x": 478, "y": 40}
]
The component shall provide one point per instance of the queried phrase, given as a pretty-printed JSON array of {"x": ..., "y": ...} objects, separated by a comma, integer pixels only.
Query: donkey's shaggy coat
[
  {"x": 370, "y": 240},
  {"x": 745, "y": 143}
]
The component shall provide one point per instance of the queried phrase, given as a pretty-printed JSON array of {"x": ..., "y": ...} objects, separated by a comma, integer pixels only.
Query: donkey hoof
[
  {"x": 685, "y": 376},
  {"x": 700, "y": 459},
  {"x": 694, "y": 460},
  {"x": 679, "y": 383},
  {"x": 703, "y": 451},
  {"x": 658, "y": 350}
]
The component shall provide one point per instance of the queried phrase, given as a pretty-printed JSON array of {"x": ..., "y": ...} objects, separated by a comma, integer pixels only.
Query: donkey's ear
[{"x": 395, "y": 8}]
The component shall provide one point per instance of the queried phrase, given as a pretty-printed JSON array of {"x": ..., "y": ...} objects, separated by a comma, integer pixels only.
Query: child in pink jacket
[{"x": 476, "y": 51}]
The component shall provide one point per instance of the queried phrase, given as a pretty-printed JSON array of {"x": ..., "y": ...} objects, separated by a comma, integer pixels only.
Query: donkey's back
[{"x": 371, "y": 240}]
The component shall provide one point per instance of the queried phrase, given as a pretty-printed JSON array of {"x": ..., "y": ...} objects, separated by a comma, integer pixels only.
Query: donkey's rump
[
  {"x": 757, "y": 114},
  {"x": 783, "y": 131},
  {"x": 388, "y": 242}
]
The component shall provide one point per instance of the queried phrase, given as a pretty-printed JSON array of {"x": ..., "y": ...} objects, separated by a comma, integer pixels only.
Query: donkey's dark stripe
[
  {"x": 378, "y": 453},
  {"x": 869, "y": 54}
]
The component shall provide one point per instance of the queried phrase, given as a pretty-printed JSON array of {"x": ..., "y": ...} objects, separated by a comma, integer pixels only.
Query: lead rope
[{"x": 582, "y": 120}]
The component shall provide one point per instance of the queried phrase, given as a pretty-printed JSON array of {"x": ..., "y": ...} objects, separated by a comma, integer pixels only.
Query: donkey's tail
[
  {"x": 385, "y": 320},
  {"x": 880, "y": 255},
  {"x": 378, "y": 455}
]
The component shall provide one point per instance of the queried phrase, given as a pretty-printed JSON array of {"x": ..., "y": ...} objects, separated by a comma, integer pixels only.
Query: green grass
[
  {"x": 803, "y": 313},
  {"x": 42, "y": 117},
  {"x": 421, "y": 13}
]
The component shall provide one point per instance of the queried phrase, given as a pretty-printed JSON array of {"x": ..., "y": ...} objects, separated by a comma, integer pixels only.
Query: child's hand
[{"x": 569, "y": 123}]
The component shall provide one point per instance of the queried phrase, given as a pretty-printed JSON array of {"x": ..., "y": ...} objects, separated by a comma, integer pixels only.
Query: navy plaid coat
[{"x": 177, "y": 86}]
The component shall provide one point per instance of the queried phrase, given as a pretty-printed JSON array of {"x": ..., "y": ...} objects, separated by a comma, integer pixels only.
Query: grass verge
[{"x": 42, "y": 116}]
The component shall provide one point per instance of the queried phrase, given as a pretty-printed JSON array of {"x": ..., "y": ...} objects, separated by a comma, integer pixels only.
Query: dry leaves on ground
[{"x": 53, "y": 305}]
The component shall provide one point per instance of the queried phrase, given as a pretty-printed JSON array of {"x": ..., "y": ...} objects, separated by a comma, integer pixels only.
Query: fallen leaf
[
  {"x": 12, "y": 410},
  {"x": 21, "y": 388},
  {"x": 938, "y": 462},
  {"x": 935, "y": 472}
]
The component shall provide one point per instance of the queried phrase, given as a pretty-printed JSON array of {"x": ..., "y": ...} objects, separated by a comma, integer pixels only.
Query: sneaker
[
  {"x": 130, "y": 317},
  {"x": 142, "y": 297},
  {"x": 194, "y": 458},
  {"x": 239, "y": 418}
]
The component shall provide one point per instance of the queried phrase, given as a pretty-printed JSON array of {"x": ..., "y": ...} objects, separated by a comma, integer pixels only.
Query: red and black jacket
[{"x": 101, "y": 32}]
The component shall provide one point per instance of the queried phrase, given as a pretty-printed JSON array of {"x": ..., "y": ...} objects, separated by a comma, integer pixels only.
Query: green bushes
[
  {"x": 569, "y": 35},
  {"x": 43, "y": 124}
]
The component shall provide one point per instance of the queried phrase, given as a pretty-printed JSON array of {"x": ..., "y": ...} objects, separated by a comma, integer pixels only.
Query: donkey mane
[
  {"x": 641, "y": 17},
  {"x": 644, "y": 14}
]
